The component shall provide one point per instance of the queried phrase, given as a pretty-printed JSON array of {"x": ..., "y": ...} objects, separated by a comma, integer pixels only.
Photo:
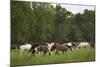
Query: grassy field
[{"x": 75, "y": 56}]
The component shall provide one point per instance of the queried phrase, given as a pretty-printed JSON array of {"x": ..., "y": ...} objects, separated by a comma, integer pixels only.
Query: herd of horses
[{"x": 37, "y": 48}]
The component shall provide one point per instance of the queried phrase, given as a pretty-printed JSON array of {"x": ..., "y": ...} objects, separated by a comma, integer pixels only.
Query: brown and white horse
[
  {"x": 71, "y": 45},
  {"x": 44, "y": 47},
  {"x": 61, "y": 47}
]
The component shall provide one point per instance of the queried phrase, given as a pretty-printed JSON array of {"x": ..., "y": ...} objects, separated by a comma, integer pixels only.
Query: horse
[
  {"x": 83, "y": 45},
  {"x": 71, "y": 45},
  {"x": 61, "y": 47},
  {"x": 92, "y": 45},
  {"x": 34, "y": 45},
  {"x": 51, "y": 46},
  {"x": 25, "y": 47},
  {"x": 43, "y": 47}
]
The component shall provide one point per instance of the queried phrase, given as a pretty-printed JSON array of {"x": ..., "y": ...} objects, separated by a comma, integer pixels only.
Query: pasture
[{"x": 82, "y": 55}]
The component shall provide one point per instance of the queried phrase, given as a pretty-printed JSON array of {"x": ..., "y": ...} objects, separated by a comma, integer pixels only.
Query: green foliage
[{"x": 46, "y": 23}]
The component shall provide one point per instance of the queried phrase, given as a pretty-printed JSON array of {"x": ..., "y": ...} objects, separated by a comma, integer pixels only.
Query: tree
[{"x": 42, "y": 22}]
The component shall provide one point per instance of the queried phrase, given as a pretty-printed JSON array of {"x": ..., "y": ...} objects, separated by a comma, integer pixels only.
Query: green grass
[{"x": 75, "y": 56}]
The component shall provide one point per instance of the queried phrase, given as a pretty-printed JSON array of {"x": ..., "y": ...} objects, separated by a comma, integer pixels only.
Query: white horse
[
  {"x": 83, "y": 44},
  {"x": 25, "y": 47}
]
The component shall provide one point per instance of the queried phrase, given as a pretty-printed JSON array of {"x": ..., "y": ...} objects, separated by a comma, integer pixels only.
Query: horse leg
[
  {"x": 66, "y": 50},
  {"x": 49, "y": 53},
  {"x": 45, "y": 53},
  {"x": 70, "y": 48},
  {"x": 39, "y": 52},
  {"x": 79, "y": 47},
  {"x": 56, "y": 52},
  {"x": 85, "y": 47},
  {"x": 63, "y": 51},
  {"x": 33, "y": 52},
  {"x": 21, "y": 51}
]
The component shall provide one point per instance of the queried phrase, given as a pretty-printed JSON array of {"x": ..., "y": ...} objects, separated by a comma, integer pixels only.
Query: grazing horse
[
  {"x": 83, "y": 45},
  {"x": 25, "y": 47},
  {"x": 92, "y": 45},
  {"x": 61, "y": 47}
]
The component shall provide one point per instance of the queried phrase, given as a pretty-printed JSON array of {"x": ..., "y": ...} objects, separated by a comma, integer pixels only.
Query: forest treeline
[{"x": 42, "y": 22}]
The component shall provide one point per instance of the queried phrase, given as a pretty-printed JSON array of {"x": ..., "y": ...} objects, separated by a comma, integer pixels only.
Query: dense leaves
[{"x": 42, "y": 22}]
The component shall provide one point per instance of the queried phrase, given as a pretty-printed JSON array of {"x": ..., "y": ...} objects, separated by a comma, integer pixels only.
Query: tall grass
[{"x": 75, "y": 56}]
